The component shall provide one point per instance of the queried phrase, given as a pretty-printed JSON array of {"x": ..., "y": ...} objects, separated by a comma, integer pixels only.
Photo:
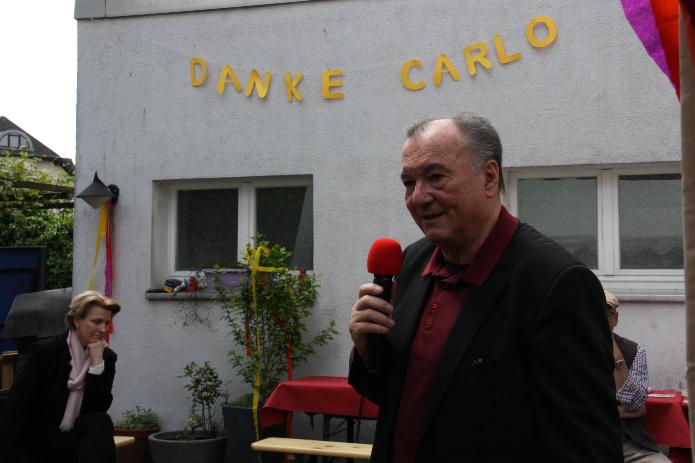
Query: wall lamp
[{"x": 97, "y": 193}]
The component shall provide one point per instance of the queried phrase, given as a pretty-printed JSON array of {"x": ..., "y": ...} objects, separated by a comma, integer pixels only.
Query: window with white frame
[
  {"x": 625, "y": 223},
  {"x": 210, "y": 222}
]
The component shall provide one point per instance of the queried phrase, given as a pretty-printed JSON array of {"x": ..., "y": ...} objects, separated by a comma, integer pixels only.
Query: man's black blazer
[
  {"x": 526, "y": 373},
  {"x": 36, "y": 404}
]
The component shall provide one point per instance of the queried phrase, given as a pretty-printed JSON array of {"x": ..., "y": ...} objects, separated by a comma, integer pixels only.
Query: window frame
[
  {"x": 23, "y": 138},
  {"x": 246, "y": 223},
  {"x": 643, "y": 283}
]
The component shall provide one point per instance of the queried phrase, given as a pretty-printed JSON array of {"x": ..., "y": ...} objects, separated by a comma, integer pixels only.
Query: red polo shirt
[{"x": 440, "y": 312}]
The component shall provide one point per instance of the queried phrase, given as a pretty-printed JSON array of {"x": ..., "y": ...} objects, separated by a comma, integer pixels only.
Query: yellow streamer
[
  {"x": 255, "y": 263},
  {"x": 101, "y": 233}
]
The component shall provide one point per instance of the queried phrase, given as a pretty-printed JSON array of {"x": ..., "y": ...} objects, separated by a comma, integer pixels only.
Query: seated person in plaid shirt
[{"x": 631, "y": 381}]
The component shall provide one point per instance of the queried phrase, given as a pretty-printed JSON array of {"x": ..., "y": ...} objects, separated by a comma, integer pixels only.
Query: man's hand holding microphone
[{"x": 371, "y": 316}]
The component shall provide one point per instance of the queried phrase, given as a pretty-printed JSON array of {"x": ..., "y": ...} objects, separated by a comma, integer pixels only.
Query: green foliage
[
  {"x": 140, "y": 418},
  {"x": 21, "y": 226},
  {"x": 284, "y": 301},
  {"x": 205, "y": 387}
]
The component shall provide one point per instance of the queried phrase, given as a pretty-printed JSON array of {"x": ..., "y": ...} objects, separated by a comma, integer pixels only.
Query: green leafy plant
[
  {"x": 140, "y": 418},
  {"x": 270, "y": 335},
  {"x": 27, "y": 216},
  {"x": 205, "y": 387}
]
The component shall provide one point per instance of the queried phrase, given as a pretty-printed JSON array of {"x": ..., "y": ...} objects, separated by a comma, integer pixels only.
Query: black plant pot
[
  {"x": 238, "y": 425},
  {"x": 166, "y": 448}
]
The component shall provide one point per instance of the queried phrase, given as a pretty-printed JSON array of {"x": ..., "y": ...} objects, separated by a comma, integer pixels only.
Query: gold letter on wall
[
  {"x": 478, "y": 58},
  {"x": 443, "y": 61},
  {"x": 291, "y": 86},
  {"x": 328, "y": 84},
  {"x": 502, "y": 55},
  {"x": 202, "y": 65},
  {"x": 255, "y": 81},
  {"x": 531, "y": 32},
  {"x": 405, "y": 71},
  {"x": 227, "y": 75}
]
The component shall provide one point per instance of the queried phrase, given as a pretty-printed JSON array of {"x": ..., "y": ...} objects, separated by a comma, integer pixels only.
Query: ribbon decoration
[
  {"x": 101, "y": 233},
  {"x": 656, "y": 24},
  {"x": 253, "y": 257},
  {"x": 108, "y": 269},
  {"x": 104, "y": 231}
]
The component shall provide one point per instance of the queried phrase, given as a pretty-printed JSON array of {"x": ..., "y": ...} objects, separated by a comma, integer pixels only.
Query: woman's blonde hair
[{"x": 83, "y": 301}]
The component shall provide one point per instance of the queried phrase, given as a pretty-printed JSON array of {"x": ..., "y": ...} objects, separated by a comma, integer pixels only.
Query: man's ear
[{"x": 491, "y": 170}]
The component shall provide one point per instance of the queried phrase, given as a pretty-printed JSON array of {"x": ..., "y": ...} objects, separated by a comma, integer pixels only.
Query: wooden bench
[
  {"x": 8, "y": 366},
  {"x": 122, "y": 441},
  {"x": 314, "y": 447}
]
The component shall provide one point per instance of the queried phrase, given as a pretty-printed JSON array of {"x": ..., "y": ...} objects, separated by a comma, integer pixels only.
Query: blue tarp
[{"x": 22, "y": 270}]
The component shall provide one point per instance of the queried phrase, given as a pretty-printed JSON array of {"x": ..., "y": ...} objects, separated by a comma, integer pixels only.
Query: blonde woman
[{"x": 58, "y": 402}]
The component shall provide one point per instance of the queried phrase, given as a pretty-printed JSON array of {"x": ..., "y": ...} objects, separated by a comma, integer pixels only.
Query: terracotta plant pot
[{"x": 140, "y": 451}]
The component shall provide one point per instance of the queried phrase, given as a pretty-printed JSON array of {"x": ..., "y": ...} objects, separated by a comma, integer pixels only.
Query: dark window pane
[
  {"x": 207, "y": 228},
  {"x": 564, "y": 209},
  {"x": 651, "y": 222},
  {"x": 284, "y": 215}
]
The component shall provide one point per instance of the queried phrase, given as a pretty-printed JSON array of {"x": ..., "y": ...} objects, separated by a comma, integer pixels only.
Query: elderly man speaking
[{"x": 498, "y": 347}]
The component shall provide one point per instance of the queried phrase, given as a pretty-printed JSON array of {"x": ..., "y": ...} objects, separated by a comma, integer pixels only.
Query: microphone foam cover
[{"x": 385, "y": 257}]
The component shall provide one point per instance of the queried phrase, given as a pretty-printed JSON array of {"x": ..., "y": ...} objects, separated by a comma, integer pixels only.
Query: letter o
[{"x": 531, "y": 35}]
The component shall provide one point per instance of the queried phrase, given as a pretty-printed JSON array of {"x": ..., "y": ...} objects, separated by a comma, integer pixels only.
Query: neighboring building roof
[
  {"x": 94, "y": 9},
  {"x": 35, "y": 147}
]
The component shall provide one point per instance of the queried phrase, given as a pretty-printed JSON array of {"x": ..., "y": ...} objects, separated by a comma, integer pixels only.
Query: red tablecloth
[
  {"x": 667, "y": 417},
  {"x": 329, "y": 395}
]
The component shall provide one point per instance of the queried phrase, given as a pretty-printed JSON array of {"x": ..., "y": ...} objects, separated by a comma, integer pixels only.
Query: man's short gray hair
[{"x": 478, "y": 135}]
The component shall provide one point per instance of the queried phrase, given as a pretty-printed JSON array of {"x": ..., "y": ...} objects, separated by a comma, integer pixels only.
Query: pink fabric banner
[{"x": 640, "y": 15}]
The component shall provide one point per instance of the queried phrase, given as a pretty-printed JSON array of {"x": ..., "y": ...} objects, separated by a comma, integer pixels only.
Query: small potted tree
[
  {"x": 266, "y": 316},
  {"x": 202, "y": 439},
  {"x": 139, "y": 423}
]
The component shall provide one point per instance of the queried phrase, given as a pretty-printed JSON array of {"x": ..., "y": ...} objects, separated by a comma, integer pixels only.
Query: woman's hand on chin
[{"x": 96, "y": 352}]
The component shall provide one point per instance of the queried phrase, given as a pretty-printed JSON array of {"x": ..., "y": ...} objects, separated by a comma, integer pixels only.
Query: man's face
[{"x": 446, "y": 196}]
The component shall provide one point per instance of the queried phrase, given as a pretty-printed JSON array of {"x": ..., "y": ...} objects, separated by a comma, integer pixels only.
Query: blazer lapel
[{"x": 473, "y": 312}]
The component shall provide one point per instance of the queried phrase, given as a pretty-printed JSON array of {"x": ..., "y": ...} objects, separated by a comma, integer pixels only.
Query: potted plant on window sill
[
  {"x": 202, "y": 440},
  {"x": 139, "y": 423},
  {"x": 266, "y": 316}
]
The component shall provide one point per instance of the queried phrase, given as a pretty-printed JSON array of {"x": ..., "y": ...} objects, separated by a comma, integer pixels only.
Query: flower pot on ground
[
  {"x": 139, "y": 423},
  {"x": 167, "y": 447},
  {"x": 267, "y": 319},
  {"x": 238, "y": 423},
  {"x": 202, "y": 440}
]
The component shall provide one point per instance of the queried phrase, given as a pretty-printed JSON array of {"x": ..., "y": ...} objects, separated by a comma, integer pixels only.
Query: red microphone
[{"x": 384, "y": 261}]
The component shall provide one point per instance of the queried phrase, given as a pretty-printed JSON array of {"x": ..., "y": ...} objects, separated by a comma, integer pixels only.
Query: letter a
[
  {"x": 227, "y": 75},
  {"x": 443, "y": 61}
]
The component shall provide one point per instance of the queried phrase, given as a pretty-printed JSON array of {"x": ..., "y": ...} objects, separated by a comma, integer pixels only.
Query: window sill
[
  {"x": 159, "y": 295},
  {"x": 665, "y": 288}
]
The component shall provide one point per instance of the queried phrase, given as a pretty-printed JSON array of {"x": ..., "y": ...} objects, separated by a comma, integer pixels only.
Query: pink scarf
[{"x": 76, "y": 381}]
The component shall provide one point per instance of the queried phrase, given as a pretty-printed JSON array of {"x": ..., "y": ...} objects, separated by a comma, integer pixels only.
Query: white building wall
[{"x": 592, "y": 97}]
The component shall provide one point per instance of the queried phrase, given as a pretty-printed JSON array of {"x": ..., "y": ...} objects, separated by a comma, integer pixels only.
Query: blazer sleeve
[
  {"x": 374, "y": 385},
  {"x": 23, "y": 401},
  {"x": 570, "y": 367},
  {"x": 370, "y": 385},
  {"x": 98, "y": 397}
]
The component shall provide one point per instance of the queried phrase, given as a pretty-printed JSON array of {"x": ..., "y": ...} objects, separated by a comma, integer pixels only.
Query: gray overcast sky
[{"x": 39, "y": 72}]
